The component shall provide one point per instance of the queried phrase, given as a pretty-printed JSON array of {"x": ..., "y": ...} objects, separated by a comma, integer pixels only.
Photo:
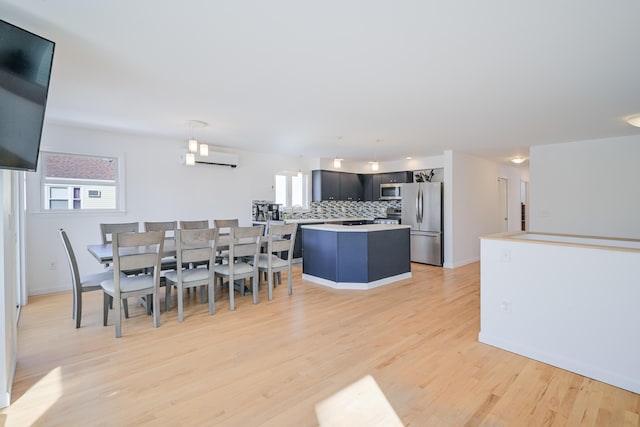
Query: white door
[{"x": 503, "y": 205}]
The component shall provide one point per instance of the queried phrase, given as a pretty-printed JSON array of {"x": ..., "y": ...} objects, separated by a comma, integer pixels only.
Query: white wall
[
  {"x": 471, "y": 204},
  {"x": 8, "y": 256},
  {"x": 570, "y": 306},
  {"x": 158, "y": 187},
  {"x": 586, "y": 188}
]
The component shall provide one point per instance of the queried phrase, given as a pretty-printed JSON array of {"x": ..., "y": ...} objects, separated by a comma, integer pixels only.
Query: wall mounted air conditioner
[{"x": 218, "y": 158}]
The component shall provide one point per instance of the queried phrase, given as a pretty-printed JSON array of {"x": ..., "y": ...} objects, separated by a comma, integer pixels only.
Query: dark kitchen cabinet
[
  {"x": 396, "y": 177},
  {"x": 325, "y": 185},
  {"x": 331, "y": 185},
  {"x": 367, "y": 187},
  {"x": 350, "y": 187}
]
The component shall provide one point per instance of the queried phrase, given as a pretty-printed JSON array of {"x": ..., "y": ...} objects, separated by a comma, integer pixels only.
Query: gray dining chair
[
  {"x": 134, "y": 251},
  {"x": 244, "y": 242},
  {"x": 107, "y": 230},
  {"x": 169, "y": 228},
  {"x": 197, "y": 246},
  {"x": 194, "y": 225},
  {"x": 224, "y": 226},
  {"x": 167, "y": 263},
  {"x": 80, "y": 283},
  {"x": 280, "y": 240}
]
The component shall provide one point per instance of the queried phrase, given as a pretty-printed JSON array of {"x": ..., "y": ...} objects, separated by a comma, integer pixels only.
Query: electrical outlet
[
  {"x": 505, "y": 255},
  {"x": 505, "y": 306}
]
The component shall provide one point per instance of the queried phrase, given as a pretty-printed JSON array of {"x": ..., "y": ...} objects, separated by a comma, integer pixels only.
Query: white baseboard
[
  {"x": 461, "y": 263},
  {"x": 53, "y": 290},
  {"x": 353, "y": 285},
  {"x": 577, "y": 366}
]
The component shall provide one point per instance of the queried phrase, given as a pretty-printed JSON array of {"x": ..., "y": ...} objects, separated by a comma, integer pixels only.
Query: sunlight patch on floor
[
  {"x": 359, "y": 404},
  {"x": 48, "y": 389}
]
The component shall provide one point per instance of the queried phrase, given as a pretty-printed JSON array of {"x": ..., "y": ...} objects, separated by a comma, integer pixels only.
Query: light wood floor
[{"x": 272, "y": 363}]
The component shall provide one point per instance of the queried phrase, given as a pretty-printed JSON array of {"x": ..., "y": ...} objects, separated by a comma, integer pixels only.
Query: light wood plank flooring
[{"x": 272, "y": 363}]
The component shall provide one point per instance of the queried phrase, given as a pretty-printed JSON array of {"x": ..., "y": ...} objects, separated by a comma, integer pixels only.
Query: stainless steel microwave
[{"x": 390, "y": 191}]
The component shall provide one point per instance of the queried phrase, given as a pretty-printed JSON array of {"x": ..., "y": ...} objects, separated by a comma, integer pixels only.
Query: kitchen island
[{"x": 355, "y": 256}]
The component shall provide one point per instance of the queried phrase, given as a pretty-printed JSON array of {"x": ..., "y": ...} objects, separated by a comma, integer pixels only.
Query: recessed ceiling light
[
  {"x": 408, "y": 158},
  {"x": 518, "y": 160},
  {"x": 634, "y": 120}
]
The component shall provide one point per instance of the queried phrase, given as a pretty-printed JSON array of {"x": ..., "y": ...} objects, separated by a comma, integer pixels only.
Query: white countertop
[{"x": 355, "y": 228}]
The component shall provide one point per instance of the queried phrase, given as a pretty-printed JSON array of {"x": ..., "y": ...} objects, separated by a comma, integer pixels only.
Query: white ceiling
[{"x": 293, "y": 76}]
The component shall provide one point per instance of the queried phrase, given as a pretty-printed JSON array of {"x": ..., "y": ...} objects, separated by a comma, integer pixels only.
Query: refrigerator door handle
[
  {"x": 421, "y": 207},
  {"x": 418, "y": 207}
]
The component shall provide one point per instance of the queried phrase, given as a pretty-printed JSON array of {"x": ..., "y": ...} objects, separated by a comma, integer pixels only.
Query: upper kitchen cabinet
[
  {"x": 325, "y": 185},
  {"x": 331, "y": 185},
  {"x": 350, "y": 187},
  {"x": 395, "y": 177},
  {"x": 367, "y": 188},
  {"x": 371, "y": 182}
]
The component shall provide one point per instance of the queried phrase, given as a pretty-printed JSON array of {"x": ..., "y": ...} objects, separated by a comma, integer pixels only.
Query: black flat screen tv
[{"x": 25, "y": 70}]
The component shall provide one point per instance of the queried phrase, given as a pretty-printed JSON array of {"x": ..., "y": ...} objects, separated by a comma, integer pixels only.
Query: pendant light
[
  {"x": 193, "y": 146},
  {"x": 190, "y": 159},
  {"x": 374, "y": 165},
  {"x": 337, "y": 161}
]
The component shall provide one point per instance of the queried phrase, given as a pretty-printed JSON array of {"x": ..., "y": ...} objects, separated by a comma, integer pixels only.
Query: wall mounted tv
[{"x": 25, "y": 69}]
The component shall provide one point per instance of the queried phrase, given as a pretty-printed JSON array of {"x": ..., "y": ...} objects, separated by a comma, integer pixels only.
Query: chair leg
[
  {"x": 125, "y": 305},
  {"x": 73, "y": 309},
  {"x": 167, "y": 297},
  {"x": 156, "y": 308},
  {"x": 231, "y": 296},
  {"x": 254, "y": 287},
  {"x": 180, "y": 301},
  {"x": 270, "y": 278},
  {"x": 290, "y": 279},
  {"x": 77, "y": 306},
  {"x": 118, "y": 312},
  {"x": 212, "y": 296},
  {"x": 149, "y": 299},
  {"x": 106, "y": 301},
  {"x": 203, "y": 294}
]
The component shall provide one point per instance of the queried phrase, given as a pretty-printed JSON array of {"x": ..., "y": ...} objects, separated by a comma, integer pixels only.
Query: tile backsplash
[{"x": 343, "y": 209}]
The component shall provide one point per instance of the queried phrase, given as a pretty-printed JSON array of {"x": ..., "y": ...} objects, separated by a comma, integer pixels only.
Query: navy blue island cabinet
[{"x": 355, "y": 257}]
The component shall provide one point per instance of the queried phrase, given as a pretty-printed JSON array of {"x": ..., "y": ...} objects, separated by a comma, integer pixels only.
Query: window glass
[
  {"x": 281, "y": 190},
  {"x": 79, "y": 182},
  {"x": 296, "y": 191},
  {"x": 292, "y": 190}
]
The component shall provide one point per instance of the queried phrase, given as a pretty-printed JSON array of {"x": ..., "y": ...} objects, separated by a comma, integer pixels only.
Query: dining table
[{"x": 103, "y": 253}]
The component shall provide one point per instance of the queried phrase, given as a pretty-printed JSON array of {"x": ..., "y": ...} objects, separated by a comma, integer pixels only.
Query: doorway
[
  {"x": 503, "y": 205},
  {"x": 524, "y": 205}
]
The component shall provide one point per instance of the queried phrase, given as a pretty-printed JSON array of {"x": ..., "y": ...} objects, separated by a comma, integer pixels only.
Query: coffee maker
[
  {"x": 276, "y": 211},
  {"x": 262, "y": 212}
]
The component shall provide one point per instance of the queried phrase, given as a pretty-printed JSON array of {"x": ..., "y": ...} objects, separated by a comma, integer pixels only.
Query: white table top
[{"x": 104, "y": 253}]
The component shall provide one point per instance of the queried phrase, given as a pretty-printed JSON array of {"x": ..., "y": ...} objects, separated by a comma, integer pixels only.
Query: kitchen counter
[
  {"x": 356, "y": 256},
  {"x": 366, "y": 228}
]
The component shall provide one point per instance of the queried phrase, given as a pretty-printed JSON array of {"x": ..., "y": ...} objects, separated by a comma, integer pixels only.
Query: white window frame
[
  {"x": 289, "y": 190},
  {"x": 68, "y": 182}
]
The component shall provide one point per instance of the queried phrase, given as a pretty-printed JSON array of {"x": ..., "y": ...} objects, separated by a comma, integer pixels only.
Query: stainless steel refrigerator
[{"x": 422, "y": 210}]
